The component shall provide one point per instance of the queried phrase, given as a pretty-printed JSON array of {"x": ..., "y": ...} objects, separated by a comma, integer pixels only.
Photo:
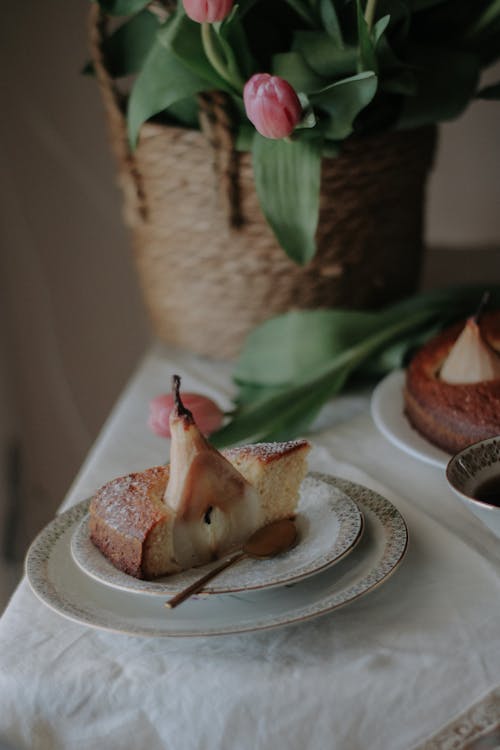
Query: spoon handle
[{"x": 197, "y": 585}]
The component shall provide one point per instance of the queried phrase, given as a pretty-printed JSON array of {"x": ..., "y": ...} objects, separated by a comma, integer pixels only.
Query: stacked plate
[
  {"x": 388, "y": 412},
  {"x": 350, "y": 541}
]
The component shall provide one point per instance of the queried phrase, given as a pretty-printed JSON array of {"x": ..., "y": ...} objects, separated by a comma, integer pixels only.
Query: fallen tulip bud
[
  {"x": 206, "y": 413},
  {"x": 271, "y": 105}
]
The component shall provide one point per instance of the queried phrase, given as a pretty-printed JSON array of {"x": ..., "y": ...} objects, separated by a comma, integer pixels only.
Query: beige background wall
[
  {"x": 72, "y": 324},
  {"x": 464, "y": 191}
]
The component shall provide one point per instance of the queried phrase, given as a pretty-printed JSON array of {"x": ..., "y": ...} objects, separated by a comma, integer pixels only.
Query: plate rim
[
  {"x": 396, "y": 543},
  {"x": 425, "y": 451},
  {"x": 161, "y": 588}
]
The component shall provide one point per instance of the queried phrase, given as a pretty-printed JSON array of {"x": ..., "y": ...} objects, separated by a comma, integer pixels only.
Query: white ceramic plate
[
  {"x": 329, "y": 524},
  {"x": 64, "y": 587},
  {"x": 387, "y": 409}
]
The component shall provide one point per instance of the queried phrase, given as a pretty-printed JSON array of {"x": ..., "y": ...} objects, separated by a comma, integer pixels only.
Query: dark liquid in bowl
[{"x": 489, "y": 491}]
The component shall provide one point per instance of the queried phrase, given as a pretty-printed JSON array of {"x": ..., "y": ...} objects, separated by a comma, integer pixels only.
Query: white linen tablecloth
[{"x": 386, "y": 672}]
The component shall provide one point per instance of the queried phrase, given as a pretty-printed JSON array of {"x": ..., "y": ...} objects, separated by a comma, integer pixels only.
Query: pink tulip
[
  {"x": 208, "y": 11},
  {"x": 206, "y": 413},
  {"x": 271, "y": 105}
]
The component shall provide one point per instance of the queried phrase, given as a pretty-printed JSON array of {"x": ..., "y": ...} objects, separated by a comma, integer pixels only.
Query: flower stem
[
  {"x": 216, "y": 59},
  {"x": 370, "y": 12}
]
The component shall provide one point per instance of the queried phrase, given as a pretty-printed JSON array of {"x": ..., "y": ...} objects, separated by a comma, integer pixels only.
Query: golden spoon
[{"x": 268, "y": 541}]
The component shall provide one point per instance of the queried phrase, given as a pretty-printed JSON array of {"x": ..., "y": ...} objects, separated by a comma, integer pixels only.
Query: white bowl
[{"x": 471, "y": 467}]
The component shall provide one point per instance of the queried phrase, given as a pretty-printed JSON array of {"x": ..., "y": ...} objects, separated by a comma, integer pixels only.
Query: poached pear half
[{"x": 211, "y": 500}]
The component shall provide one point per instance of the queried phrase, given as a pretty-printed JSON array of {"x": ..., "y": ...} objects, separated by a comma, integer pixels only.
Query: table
[{"x": 389, "y": 671}]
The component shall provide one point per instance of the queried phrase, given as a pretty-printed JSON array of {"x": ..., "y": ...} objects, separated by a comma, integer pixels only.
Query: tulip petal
[
  {"x": 208, "y": 11},
  {"x": 271, "y": 105}
]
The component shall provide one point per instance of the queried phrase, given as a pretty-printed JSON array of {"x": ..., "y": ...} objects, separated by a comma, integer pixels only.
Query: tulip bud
[
  {"x": 271, "y": 105},
  {"x": 206, "y": 413},
  {"x": 208, "y": 11}
]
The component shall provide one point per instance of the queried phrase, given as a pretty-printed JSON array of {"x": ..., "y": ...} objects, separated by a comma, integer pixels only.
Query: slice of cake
[{"x": 169, "y": 518}]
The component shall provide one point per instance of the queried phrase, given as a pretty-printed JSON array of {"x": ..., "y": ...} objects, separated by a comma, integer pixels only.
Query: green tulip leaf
[
  {"x": 302, "y": 408},
  {"x": 293, "y": 68},
  {"x": 283, "y": 349},
  {"x": 331, "y": 21},
  {"x": 175, "y": 69},
  {"x": 482, "y": 35},
  {"x": 324, "y": 56},
  {"x": 126, "y": 49},
  {"x": 163, "y": 81},
  {"x": 185, "y": 112},
  {"x": 380, "y": 27},
  {"x": 287, "y": 413},
  {"x": 227, "y": 54},
  {"x": 287, "y": 407},
  {"x": 488, "y": 18},
  {"x": 287, "y": 180},
  {"x": 244, "y": 137},
  {"x": 183, "y": 39},
  {"x": 343, "y": 101}
]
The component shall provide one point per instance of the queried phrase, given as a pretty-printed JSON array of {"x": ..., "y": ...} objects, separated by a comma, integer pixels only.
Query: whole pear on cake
[
  {"x": 214, "y": 506},
  {"x": 471, "y": 359}
]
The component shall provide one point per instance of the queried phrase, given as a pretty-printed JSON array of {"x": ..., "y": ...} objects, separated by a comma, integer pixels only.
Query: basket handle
[
  {"x": 217, "y": 120},
  {"x": 130, "y": 179}
]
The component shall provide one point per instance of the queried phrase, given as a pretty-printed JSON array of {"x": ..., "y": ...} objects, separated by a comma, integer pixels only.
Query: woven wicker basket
[{"x": 209, "y": 266}]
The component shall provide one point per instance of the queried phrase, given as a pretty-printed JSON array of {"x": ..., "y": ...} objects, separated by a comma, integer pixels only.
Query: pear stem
[
  {"x": 481, "y": 308},
  {"x": 180, "y": 409}
]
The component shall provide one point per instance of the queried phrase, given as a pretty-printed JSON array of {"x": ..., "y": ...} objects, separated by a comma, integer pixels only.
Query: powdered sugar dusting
[
  {"x": 127, "y": 503},
  {"x": 267, "y": 451}
]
